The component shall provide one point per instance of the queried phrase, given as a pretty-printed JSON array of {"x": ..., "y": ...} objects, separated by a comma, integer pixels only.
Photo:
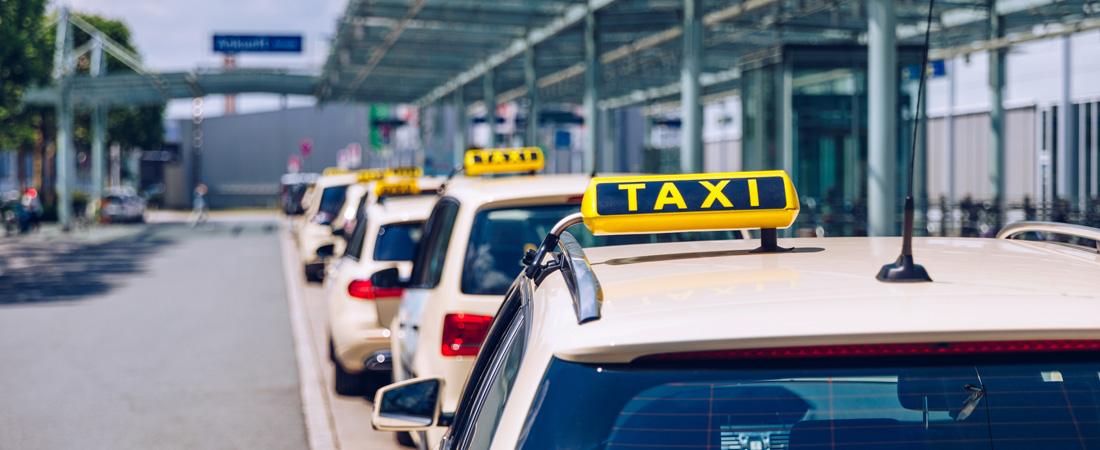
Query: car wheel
[
  {"x": 405, "y": 439},
  {"x": 348, "y": 384}
]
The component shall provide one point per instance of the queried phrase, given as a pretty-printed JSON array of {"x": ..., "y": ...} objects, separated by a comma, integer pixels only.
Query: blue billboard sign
[{"x": 237, "y": 43}]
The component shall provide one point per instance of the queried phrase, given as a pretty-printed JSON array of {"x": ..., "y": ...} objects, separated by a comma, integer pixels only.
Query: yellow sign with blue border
[
  {"x": 698, "y": 202},
  {"x": 504, "y": 160}
]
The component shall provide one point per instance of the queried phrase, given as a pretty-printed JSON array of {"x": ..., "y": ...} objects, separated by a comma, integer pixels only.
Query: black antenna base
[
  {"x": 769, "y": 242},
  {"x": 904, "y": 270}
]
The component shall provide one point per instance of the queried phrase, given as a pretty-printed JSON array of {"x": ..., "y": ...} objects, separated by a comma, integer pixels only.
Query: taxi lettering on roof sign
[
  {"x": 366, "y": 175},
  {"x": 329, "y": 171},
  {"x": 500, "y": 160},
  {"x": 672, "y": 203},
  {"x": 405, "y": 171},
  {"x": 396, "y": 187}
]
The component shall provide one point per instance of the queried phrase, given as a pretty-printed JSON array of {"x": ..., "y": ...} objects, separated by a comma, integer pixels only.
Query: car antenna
[{"x": 904, "y": 270}]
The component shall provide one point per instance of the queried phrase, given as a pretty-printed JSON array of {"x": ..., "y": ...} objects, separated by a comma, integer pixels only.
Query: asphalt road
[{"x": 148, "y": 336}]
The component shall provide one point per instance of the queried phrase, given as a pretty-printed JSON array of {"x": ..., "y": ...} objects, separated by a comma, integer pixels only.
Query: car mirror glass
[
  {"x": 388, "y": 278},
  {"x": 408, "y": 406}
]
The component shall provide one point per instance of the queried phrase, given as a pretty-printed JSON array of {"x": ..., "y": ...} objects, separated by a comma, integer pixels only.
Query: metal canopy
[
  {"x": 150, "y": 88},
  {"x": 421, "y": 51}
]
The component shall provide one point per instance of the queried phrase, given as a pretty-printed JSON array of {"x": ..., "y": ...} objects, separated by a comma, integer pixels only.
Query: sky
[{"x": 176, "y": 36}]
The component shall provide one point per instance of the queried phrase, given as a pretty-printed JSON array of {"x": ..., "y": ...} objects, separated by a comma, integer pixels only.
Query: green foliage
[{"x": 25, "y": 59}]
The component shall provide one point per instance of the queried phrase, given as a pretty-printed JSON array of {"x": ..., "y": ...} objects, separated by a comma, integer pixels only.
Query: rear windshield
[
  {"x": 332, "y": 198},
  {"x": 397, "y": 241},
  {"x": 500, "y": 237},
  {"x": 1010, "y": 405}
]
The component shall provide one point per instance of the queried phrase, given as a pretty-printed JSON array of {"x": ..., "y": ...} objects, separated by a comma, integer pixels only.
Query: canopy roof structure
[
  {"x": 418, "y": 51},
  {"x": 154, "y": 88}
]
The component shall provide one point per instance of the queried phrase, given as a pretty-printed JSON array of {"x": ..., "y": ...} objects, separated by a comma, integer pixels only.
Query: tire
[
  {"x": 405, "y": 439},
  {"x": 348, "y": 384}
]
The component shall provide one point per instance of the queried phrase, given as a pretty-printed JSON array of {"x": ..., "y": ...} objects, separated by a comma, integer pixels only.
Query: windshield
[
  {"x": 397, "y": 241},
  {"x": 500, "y": 237},
  {"x": 897, "y": 405}
]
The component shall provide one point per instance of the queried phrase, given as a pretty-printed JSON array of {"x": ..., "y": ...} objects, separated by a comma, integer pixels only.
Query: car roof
[
  {"x": 325, "y": 181},
  {"x": 478, "y": 190},
  {"x": 695, "y": 296},
  {"x": 401, "y": 209}
]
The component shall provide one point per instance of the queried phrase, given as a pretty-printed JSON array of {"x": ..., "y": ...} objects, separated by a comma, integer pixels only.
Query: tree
[{"x": 25, "y": 59}]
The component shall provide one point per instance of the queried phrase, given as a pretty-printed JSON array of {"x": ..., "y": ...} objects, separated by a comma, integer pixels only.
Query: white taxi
[
  {"x": 473, "y": 246},
  {"x": 314, "y": 230},
  {"x": 385, "y": 235},
  {"x": 785, "y": 344}
]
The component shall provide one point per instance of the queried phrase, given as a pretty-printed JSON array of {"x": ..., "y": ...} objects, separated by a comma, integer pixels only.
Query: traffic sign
[
  {"x": 355, "y": 154},
  {"x": 238, "y": 43},
  {"x": 305, "y": 147}
]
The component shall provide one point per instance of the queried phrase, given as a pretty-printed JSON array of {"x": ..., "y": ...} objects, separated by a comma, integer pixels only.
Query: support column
[
  {"x": 996, "y": 118},
  {"x": 491, "y": 107},
  {"x": 530, "y": 74},
  {"x": 881, "y": 117},
  {"x": 99, "y": 125},
  {"x": 591, "y": 92},
  {"x": 691, "y": 128},
  {"x": 63, "y": 156},
  {"x": 1066, "y": 162},
  {"x": 461, "y": 126}
]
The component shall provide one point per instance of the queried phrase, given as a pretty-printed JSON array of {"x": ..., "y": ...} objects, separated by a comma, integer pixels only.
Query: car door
[{"x": 427, "y": 270}]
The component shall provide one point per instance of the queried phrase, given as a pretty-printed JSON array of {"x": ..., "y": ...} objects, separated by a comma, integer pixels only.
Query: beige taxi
[
  {"x": 314, "y": 228},
  {"x": 473, "y": 245},
  {"x": 385, "y": 234},
  {"x": 776, "y": 343}
]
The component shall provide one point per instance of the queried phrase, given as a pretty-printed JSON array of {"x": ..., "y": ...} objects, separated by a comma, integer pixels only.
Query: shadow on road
[{"x": 62, "y": 270}]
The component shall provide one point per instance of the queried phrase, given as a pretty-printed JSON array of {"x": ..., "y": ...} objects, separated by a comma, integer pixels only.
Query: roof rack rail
[
  {"x": 1064, "y": 229},
  {"x": 580, "y": 279}
]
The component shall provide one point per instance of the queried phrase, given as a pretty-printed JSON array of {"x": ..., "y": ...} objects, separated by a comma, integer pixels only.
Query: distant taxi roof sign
[
  {"x": 502, "y": 160},
  {"x": 699, "y": 202},
  {"x": 368, "y": 175},
  {"x": 405, "y": 171},
  {"x": 394, "y": 187}
]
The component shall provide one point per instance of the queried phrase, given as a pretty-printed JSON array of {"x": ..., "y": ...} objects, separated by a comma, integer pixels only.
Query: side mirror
[
  {"x": 411, "y": 405},
  {"x": 338, "y": 232},
  {"x": 388, "y": 279},
  {"x": 325, "y": 251}
]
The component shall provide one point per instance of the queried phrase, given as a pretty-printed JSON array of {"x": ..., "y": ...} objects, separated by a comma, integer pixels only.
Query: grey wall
[{"x": 244, "y": 155}]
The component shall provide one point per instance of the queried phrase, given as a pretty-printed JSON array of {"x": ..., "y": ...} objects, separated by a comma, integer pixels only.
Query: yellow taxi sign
[
  {"x": 405, "y": 171},
  {"x": 329, "y": 171},
  {"x": 698, "y": 202},
  {"x": 387, "y": 188},
  {"x": 500, "y": 160},
  {"x": 368, "y": 175}
]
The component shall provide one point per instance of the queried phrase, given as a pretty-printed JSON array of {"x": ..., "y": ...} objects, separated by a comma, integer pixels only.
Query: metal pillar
[
  {"x": 691, "y": 128},
  {"x": 491, "y": 107},
  {"x": 881, "y": 117},
  {"x": 530, "y": 74},
  {"x": 99, "y": 124},
  {"x": 1066, "y": 153},
  {"x": 591, "y": 92},
  {"x": 460, "y": 126},
  {"x": 996, "y": 117},
  {"x": 607, "y": 141},
  {"x": 63, "y": 156}
]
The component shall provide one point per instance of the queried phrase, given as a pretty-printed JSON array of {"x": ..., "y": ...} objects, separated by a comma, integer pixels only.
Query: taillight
[
  {"x": 464, "y": 333},
  {"x": 826, "y": 351},
  {"x": 364, "y": 290}
]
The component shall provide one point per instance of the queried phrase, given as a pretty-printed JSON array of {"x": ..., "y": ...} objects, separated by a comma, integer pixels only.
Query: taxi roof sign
[
  {"x": 405, "y": 171},
  {"x": 392, "y": 187},
  {"x": 368, "y": 175},
  {"x": 504, "y": 160},
  {"x": 697, "y": 202}
]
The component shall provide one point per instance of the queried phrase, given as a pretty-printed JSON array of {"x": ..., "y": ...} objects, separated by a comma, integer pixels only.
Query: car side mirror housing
[
  {"x": 325, "y": 251},
  {"x": 388, "y": 278},
  {"x": 412, "y": 405}
]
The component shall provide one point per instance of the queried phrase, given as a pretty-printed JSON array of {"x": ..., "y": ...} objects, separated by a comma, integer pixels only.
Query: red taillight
[
  {"x": 464, "y": 333},
  {"x": 574, "y": 199},
  {"x": 363, "y": 289},
  {"x": 826, "y": 351}
]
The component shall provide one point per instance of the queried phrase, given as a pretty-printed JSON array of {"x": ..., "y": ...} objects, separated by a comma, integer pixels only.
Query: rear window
[
  {"x": 332, "y": 198},
  {"x": 1011, "y": 404},
  {"x": 397, "y": 241},
  {"x": 500, "y": 237}
]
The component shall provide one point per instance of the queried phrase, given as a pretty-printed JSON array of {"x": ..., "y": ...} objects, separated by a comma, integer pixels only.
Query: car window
[
  {"x": 332, "y": 198},
  {"x": 499, "y": 237},
  {"x": 397, "y": 241},
  {"x": 494, "y": 387},
  {"x": 357, "y": 239},
  {"x": 428, "y": 265},
  {"x": 1003, "y": 404}
]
